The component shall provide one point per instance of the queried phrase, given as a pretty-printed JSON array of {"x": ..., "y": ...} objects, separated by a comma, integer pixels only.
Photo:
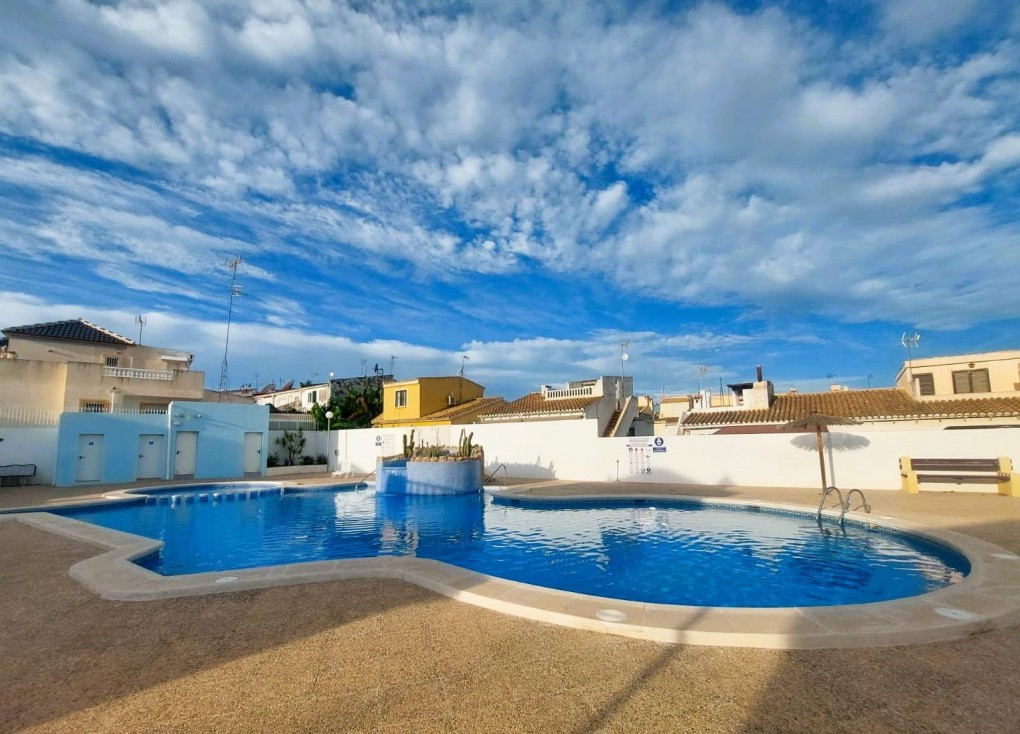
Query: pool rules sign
[{"x": 640, "y": 451}]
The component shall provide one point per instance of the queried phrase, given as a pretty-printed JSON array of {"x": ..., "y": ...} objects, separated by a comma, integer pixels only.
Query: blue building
[{"x": 192, "y": 440}]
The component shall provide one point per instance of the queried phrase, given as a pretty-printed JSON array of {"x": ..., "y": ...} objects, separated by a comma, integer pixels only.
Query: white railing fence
[
  {"x": 569, "y": 392},
  {"x": 133, "y": 374},
  {"x": 28, "y": 415},
  {"x": 279, "y": 422}
]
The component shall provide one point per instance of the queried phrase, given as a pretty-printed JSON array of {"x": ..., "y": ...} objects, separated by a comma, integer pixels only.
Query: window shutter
[
  {"x": 925, "y": 384},
  {"x": 979, "y": 381},
  {"x": 961, "y": 382}
]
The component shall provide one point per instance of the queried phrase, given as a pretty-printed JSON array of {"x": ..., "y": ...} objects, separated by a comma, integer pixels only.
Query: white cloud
[
  {"x": 508, "y": 367},
  {"x": 921, "y": 20},
  {"x": 706, "y": 156}
]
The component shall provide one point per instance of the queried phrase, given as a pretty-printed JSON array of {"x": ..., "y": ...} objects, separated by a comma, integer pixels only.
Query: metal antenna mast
[
  {"x": 702, "y": 371},
  {"x": 235, "y": 290},
  {"x": 140, "y": 320},
  {"x": 392, "y": 360},
  {"x": 910, "y": 342}
]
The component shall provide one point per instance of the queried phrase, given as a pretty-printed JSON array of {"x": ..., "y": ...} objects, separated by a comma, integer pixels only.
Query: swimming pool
[{"x": 668, "y": 551}]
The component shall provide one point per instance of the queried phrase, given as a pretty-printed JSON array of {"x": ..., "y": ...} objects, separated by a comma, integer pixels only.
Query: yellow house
[
  {"x": 433, "y": 401},
  {"x": 962, "y": 376}
]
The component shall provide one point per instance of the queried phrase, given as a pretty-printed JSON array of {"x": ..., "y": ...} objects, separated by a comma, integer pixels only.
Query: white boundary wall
[
  {"x": 315, "y": 443},
  {"x": 22, "y": 445},
  {"x": 867, "y": 459}
]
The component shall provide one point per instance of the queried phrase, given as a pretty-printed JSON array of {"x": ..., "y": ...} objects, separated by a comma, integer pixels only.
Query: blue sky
[{"x": 788, "y": 184}]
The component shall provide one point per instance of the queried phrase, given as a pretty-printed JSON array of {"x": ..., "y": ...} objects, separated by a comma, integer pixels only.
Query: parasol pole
[{"x": 821, "y": 454}]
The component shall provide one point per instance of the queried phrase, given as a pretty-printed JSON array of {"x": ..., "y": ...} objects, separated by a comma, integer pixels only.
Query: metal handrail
[
  {"x": 818, "y": 515},
  {"x": 493, "y": 474},
  {"x": 846, "y": 503},
  {"x": 363, "y": 480}
]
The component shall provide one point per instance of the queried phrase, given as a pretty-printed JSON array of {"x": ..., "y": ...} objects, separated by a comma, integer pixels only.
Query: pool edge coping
[{"x": 987, "y": 599}]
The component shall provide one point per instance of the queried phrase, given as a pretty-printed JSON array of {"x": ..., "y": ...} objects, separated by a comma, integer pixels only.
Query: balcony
[
  {"x": 133, "y": 374},
  {"x": 570, "y": 392}
]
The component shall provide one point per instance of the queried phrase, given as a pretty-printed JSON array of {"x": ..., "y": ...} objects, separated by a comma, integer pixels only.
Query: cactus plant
[
  {"x": 409, "y": 445},
  {"x": 464, "y": 450}
]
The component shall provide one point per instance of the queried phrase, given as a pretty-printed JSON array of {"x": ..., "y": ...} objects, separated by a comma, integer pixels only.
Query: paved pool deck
[{"x": 383, "y": 655}]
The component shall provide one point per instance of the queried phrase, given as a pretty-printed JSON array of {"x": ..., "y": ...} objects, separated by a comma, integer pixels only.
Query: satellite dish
[{"x": 624, "y": 356}]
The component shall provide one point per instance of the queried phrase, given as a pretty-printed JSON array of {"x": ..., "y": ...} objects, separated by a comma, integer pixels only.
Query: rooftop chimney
[{"x": 759, "y": 373}]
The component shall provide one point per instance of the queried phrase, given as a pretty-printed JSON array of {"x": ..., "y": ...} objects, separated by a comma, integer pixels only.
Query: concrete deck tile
[{"x": 323, "y": 656}]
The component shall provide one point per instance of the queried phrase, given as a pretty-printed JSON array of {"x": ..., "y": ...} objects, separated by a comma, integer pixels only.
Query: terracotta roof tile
[
  {"x": 77, "y": 330},
  {"x": 980, "y": 406},
  {"x": 483, "y": 404},
  {"x": 535, "y": 404},
  {"x": 858, "y": 404}
]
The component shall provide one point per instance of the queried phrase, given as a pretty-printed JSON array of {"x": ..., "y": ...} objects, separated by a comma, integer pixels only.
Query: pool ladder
[
  {"x": 844, "y": 503},
  {"x": 493, "y": 474},
  {"x": 363, "y": 480}
]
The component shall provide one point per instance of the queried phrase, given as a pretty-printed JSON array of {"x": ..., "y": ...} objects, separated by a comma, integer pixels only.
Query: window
[
  {"x": 965, "y": 381},
  {"x": 400, "y": 399},
  {"x": 93, "y": 406},
  {"x": 924, "y": 384},
  {"x": 112, "y": 361},
  {"x": 312, "y": 396}
]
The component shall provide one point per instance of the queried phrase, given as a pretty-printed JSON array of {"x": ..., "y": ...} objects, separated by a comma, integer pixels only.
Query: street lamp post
[{"x": 329, "y": 449}]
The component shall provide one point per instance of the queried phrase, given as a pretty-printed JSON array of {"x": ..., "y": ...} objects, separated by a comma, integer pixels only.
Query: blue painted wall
[
  {"x": 428, "y": 477},
  {"x": 120, "y": 432},
  {"x": 221, "y": 428},
  {"x": 219, "y": 453}
]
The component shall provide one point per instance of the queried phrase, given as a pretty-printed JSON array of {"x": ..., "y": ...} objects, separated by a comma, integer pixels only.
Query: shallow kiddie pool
[{"x": 667, "y": 551}]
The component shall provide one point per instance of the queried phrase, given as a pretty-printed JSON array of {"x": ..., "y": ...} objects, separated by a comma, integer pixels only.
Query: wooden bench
[
  {"x": 19, "y": 473},
  {"x": 959, "y": 471}
]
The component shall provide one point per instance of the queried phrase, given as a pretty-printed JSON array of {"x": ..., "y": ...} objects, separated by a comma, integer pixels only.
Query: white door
[
  {"x": 252, "y": 453},
  {"x": 187, "y": 447},
  {"x": 90, "y": 457},
  {"x": 151, "y": 455}
]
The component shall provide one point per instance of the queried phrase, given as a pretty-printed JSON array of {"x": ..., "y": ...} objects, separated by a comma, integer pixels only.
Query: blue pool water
[{"x": 663, "y": 551}]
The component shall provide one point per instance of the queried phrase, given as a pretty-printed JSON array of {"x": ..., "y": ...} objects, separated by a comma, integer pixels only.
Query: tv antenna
[
  {"x": 463, "y": 359},
  {"x": 235, "y": 290},
  {"x": 910, "y": 343},
  {"x": 702, "y": 371},
  {"x": 140, "y": 320},
  {"x": 392, "y": 360},
  {"x": 364, "y": 368}
]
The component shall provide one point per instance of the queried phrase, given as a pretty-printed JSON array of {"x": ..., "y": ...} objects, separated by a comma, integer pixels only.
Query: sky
[{"x": 516, "y": 188}]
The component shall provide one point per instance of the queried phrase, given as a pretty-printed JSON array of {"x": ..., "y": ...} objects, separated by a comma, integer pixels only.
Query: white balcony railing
[
  {"x": 569, "y": 392},
  {"x": 133, "y": 374}
]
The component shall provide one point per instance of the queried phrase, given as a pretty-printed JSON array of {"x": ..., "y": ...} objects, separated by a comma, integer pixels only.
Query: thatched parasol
[{"x": 818, "y": 421}]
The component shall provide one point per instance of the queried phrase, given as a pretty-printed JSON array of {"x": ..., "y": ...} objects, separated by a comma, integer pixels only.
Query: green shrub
[{"x": 293, "y": 443}]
